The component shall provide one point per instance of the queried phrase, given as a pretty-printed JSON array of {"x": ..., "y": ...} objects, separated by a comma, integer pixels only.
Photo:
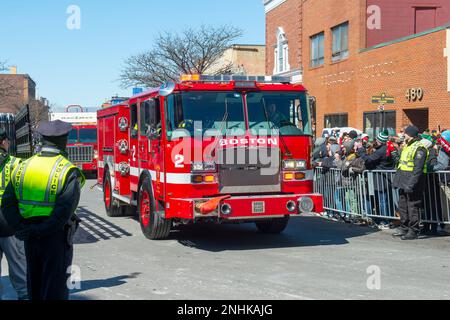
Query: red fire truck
[
  {"x": 209, "y": 149},
  {"x": 82, "y": 141}
]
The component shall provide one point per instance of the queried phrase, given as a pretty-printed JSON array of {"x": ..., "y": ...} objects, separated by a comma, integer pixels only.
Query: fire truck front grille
[
  {"x": 81, "y": 154},
  {"x": 249, "y": 170}
]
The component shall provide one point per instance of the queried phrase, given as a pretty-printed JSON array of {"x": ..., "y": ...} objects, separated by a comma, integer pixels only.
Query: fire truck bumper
[{"x": 248, "y": 207}]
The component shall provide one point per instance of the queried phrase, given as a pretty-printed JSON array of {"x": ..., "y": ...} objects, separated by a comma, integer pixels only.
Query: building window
[
  {"x": 338, "y": 120},
  {"x": 281, "y": 53},
  {"x": 425, "y": 19},
  {"x": 340, "y": 42},
  {"x": 375, "y": 122},
  {"x": 317, "y": 50}
]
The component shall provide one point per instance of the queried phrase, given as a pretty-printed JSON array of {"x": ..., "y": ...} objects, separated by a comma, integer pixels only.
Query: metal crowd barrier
[
  {"x": 341, "y": 192},
  {"x": 370, "y": 195}
]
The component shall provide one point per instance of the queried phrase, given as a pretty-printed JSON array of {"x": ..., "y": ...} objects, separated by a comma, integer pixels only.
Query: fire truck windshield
[
  {"x": 88, "y": 135},
  {"x": 285, "y": 113},
  {"x": 73, "y": 136},
  {"x": 205, "y": 113}
]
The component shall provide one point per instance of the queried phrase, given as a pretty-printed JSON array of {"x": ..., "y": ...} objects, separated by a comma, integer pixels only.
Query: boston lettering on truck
[
  {"x": 82, "y": 141},
  {"x": 209, "y": 149}
]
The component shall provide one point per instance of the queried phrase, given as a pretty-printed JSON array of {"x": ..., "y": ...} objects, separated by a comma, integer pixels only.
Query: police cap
[{"x": 54, "y": 129}]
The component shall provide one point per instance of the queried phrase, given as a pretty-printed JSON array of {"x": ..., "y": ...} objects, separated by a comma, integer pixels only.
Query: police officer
[
  {"x": 41, "y": 204},
  {"x": 12, "y": 247},
  {"x": 409, "y": 179}
]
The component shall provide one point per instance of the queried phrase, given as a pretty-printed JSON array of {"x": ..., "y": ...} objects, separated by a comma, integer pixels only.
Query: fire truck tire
[
  {"x": 272, "y": 226},
  {"x": 112, "y": 210},
  {"x": 153, "y": 225}
]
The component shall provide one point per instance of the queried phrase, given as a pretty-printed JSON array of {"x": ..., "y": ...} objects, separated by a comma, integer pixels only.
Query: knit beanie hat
[
  {"x": 445, "y": 141},
  {"x": 412, "y": 131},
  {"x": 335, "y": 148},
  {"x": 353, "y": 134},
  {"x": 383, "y": 137},
  {"x": 349, "y": 145}
]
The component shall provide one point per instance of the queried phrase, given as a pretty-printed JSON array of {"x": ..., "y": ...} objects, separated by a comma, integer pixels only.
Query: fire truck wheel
[
  {"x": 153, "y": 225},
  {"x": 273, "y": 226},
  {"x": 111, "y": 209}
]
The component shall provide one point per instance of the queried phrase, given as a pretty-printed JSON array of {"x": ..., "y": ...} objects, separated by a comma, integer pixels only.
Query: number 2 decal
[
  {"x": 134, "y": 153},
  {"x": 179, "y": 161}
]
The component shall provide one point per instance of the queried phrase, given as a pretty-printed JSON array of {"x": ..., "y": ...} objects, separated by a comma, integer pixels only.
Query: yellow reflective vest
[
  {"x": 408, "y": 155},
  {"x": 37, "y": 183},
  {"x": 5, "y": 174}
]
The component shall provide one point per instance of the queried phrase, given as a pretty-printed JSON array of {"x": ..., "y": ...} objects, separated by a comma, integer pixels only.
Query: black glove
[{"x": 26, "y": 233}]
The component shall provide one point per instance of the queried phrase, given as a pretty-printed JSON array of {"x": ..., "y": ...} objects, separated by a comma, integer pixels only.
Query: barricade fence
[{"x": 371, "y": 195}]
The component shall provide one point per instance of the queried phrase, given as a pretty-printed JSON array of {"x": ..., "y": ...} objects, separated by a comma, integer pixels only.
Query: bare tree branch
[
  {"x": 7, "y": 88},
  {"x": 188, "y": 52}
]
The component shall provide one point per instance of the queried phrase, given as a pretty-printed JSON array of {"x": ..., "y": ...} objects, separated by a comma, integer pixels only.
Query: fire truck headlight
[
  {"x": 294, "y": 165},
  {"x": 124, "y": 169},
  {"x": 95, "y": 154},
  {"x": 306, "y": 205},
  {"x": 226, "y": 209}
]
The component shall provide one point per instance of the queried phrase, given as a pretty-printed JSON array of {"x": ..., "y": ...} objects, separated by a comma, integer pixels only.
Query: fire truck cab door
[
  {"x": 151, "y": 143},
  {"x": 134, "y": 147}
]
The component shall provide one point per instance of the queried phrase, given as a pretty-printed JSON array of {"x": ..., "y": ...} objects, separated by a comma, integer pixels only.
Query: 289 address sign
[{"x": 414, "y": 94}]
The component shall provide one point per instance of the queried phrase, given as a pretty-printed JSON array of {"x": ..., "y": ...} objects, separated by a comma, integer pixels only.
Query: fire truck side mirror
[
  {"x": 312, "y": 106},
  {"x": 167, "y": 88}
]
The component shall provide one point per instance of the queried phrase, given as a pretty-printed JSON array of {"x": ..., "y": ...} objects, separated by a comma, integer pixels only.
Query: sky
[{"x": 81, "y": 66}]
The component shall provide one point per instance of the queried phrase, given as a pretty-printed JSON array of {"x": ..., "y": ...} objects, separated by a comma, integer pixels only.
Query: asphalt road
[{"x": 314, "y": 259}]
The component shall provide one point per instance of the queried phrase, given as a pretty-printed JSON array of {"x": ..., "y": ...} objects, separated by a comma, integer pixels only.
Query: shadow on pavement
[
  {"x": 301, "y": 232},
  {"x": 94, "y": 228},
  {"x": 97, "y": 284}
]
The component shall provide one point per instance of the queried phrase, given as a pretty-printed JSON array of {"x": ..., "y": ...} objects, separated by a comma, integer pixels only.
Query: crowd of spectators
[
  {"x": 353, "y": 153},
  {"x": 383, "y": 153}
]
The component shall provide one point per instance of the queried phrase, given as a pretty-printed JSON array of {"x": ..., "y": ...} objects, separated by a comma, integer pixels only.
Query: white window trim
[
  {"x": 269, "y": 5},
  {"x": 447, "y": 55},
  {"x": 283, "y": 47}
]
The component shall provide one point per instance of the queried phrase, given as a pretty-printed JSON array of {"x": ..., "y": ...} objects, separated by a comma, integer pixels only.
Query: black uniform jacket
[
  {"x": 5, "y": 229},
  {"x": 412, "y": 181},
  {"x": 65, "y": 206}
]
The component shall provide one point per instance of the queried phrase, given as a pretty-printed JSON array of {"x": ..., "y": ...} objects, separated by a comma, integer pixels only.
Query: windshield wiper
[
  {"x": 224, "y": 122},
  {"x": 286, "y": 151}
]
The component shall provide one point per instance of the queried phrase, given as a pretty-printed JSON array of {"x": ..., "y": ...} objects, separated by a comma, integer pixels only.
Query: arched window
[{"x": 281, "y": 53}]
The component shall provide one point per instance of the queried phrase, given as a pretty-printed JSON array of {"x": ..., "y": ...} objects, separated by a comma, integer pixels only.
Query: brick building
[
  {"x": 369, "y": 63},
  {"x": 18, "y": 90}
]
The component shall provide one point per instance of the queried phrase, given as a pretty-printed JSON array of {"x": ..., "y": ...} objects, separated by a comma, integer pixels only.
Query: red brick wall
[
  {"x": 348, "y": 86},
  {"x": 288, "y": 16},
  {"x": 398, "y": 18},
  {"x": 333, "y": 84},
  {"x": 19, "y": 90},
  {"x": 416, "y": 63}
]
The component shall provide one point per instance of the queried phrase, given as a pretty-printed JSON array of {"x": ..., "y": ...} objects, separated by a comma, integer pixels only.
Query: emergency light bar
[{"x": 228, "y": 78}]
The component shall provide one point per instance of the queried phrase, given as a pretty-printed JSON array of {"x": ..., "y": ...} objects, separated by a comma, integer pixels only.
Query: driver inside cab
[{"x": 276, "y": 116}]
